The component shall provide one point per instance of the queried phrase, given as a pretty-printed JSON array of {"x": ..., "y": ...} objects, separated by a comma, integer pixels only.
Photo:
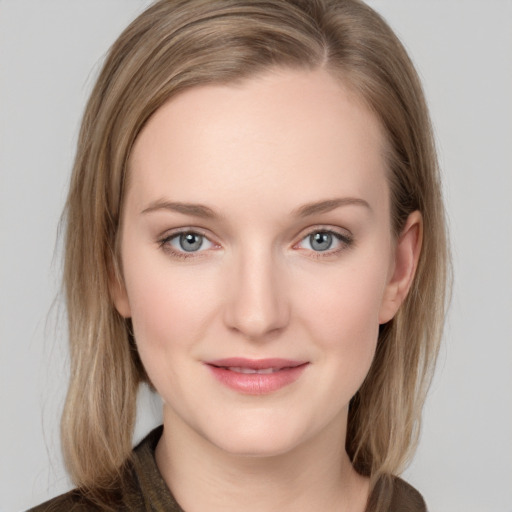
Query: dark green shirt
[{"x": 144, "y": 490}]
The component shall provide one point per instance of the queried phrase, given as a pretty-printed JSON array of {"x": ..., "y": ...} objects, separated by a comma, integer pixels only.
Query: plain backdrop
[{"x": 50, "y": 51}]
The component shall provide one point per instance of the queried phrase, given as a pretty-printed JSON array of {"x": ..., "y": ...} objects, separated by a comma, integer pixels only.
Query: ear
[
  {"x": 407, "y": 253},
  {"x": 118, "y": 294}
]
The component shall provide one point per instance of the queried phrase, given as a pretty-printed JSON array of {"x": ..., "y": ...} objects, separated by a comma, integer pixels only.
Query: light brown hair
[{"x": 178, "y": 44}]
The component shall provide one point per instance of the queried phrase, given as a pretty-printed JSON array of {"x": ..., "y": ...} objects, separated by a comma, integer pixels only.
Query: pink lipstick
[{"x": 256, "y": 376}]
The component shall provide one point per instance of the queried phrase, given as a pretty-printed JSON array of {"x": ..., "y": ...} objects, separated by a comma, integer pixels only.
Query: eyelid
[
  {"x": 176, "y": 241},
  {"x": 325, "y": 228},
  {"x": 344, "y": 237},
  {"x": 171, "y": 233},
  {"x": 164, "y": 242}
]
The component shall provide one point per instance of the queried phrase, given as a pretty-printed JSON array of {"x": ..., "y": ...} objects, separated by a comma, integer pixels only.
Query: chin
[
  {"x": 256, "y": 447},
  {"x": 257, "y": 438}
]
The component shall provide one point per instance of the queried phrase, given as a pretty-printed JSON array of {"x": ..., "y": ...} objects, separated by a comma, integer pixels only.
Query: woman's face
[{"x": 258, "y": 259}]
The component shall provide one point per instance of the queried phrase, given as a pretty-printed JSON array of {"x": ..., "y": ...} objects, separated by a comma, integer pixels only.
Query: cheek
[
  {"x": 171, "y": 308},
  {"x": 342, "y": 314},
  {"x": 348, "y": 299}
]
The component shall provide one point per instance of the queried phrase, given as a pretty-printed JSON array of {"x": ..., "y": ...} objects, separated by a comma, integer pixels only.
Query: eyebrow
[
  {"x": 205, "y": 212},
  {"x": 196, "y": 210},
  {"x": 329, "y": 205}
]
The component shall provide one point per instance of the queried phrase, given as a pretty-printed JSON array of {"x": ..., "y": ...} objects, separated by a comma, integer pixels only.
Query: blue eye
[
  {"x": 322, "y": 241},
  {"x": 189, "y": 242}
]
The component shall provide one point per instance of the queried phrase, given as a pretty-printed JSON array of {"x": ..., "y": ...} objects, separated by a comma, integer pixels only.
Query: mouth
[
  {"x": 239, "y": 369},
  {"x": 256, "y": 376}
]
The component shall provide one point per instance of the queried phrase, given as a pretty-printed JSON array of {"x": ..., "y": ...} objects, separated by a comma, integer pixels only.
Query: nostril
[{"x": 255, "y": 305}]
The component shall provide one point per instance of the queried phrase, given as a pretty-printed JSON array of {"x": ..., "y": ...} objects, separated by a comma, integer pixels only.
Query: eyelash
[
  {"x": 345, "y": 240},
  {"x": 165, "y": 244}
]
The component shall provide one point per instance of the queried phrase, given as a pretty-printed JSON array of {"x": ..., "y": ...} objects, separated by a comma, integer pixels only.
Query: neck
[{"x": 317, "y": 475}]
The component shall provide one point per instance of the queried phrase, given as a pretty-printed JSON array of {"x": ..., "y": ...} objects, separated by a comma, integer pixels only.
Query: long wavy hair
[{"x": 179, "y": 44}]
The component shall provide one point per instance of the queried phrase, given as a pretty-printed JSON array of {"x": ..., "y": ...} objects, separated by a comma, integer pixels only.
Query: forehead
[{"x": 299, "y": 132}]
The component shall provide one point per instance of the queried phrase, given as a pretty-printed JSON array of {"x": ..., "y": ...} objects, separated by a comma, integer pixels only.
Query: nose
[{"x": 257, "y": 305}]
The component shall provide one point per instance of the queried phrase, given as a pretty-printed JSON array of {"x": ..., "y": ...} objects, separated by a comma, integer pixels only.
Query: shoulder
[
  {"x": 392, "y": 494},
  {"x": 72, "y": 501},
  {"x": 137, "y": 484},
  {"x": 406, "y": 498},
  {"x": 115, "y": 499}
]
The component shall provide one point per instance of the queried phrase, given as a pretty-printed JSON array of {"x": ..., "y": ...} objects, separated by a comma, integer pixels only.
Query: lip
[{"x": 256, "y": 376}]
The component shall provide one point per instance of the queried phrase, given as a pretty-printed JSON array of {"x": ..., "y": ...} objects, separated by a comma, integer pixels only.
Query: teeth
[{"x": 252, "y": 370}]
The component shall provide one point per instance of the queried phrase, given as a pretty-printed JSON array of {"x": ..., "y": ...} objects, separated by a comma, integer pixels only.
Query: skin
[{"x": 254, "y": 154}]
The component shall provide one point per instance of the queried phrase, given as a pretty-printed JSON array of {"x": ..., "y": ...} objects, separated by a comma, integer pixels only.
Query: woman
[{"x": 255, "y": 229}]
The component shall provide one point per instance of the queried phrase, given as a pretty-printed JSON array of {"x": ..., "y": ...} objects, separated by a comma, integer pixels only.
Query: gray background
[{"x": 50, "y": 51}]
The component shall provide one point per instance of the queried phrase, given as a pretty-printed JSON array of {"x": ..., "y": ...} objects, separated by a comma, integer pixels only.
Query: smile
[
  {"x": 256, "y": 376},
  {"x": 252, "y": 370}
]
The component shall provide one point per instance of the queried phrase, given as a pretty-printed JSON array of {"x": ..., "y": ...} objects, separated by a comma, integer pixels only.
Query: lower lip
[{"x": 257, "y": 383}]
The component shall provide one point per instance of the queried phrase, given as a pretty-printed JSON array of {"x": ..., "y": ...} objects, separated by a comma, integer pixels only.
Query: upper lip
[{"x": 256, "y": 364}]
